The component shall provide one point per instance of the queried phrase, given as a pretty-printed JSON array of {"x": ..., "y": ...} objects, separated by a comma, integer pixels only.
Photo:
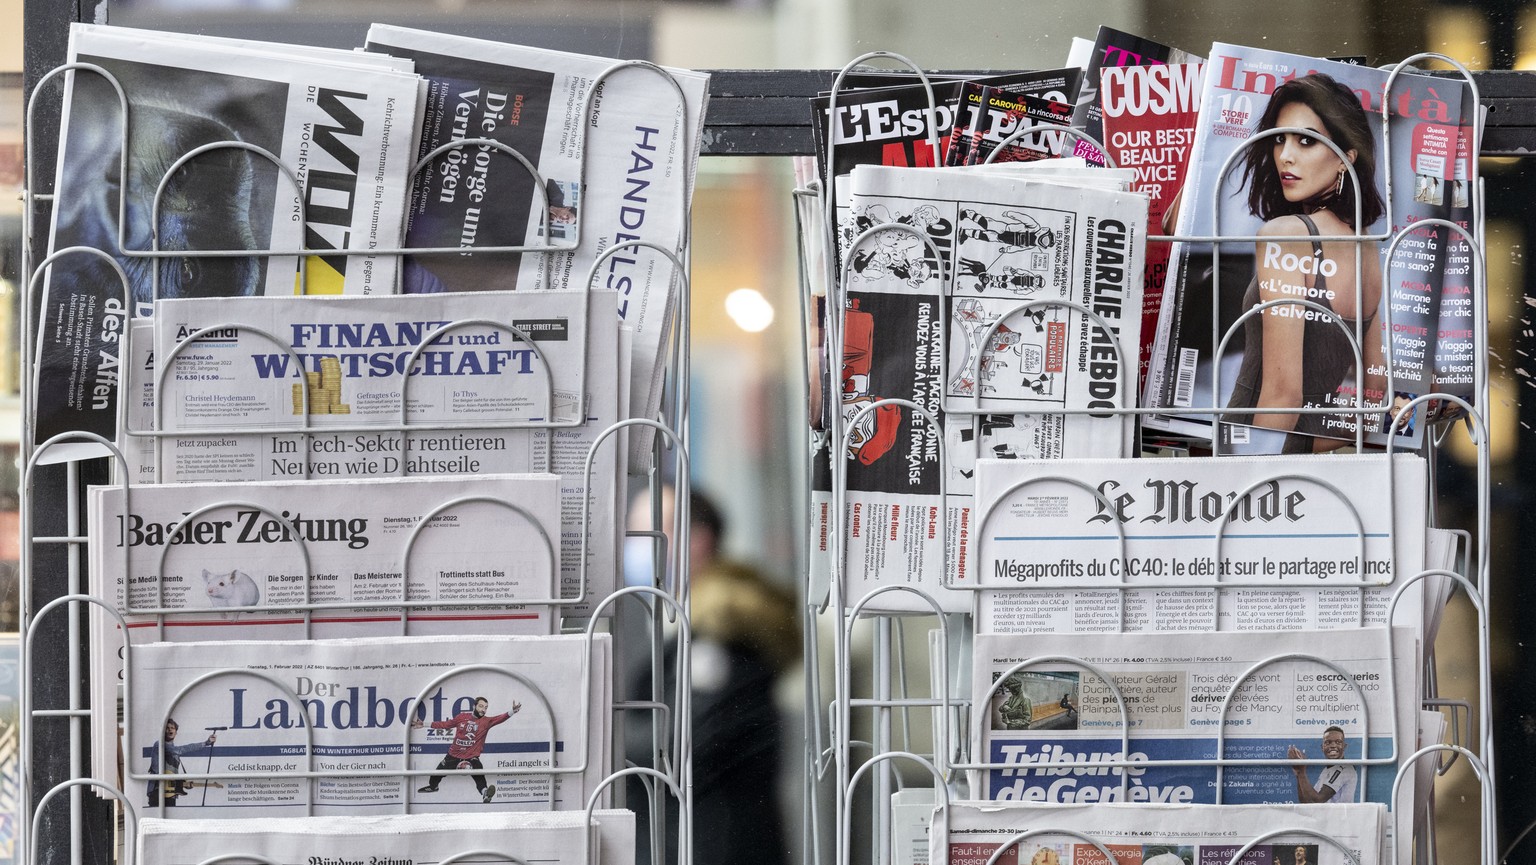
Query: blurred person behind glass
[{"x": 745, "y": 635}]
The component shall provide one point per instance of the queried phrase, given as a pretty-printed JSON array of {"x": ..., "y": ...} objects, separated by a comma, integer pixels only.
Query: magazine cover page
[
  {"x": 638, "y": 148},
  {"x": 975, "y": 109},
  {"x": 1155, "y": 834},
  {"x": 503, "y": 705},
  {"x": 1080, "y": 545},
  {"x": 1292, "y": 186},
  {"x": 1149, "y": 125},
  {"x": 1113, "y": 48},
  {"x": 345, "y": 130},
  {"x": 1172, "y": 693},
  {"x": 560, "y": 838}
]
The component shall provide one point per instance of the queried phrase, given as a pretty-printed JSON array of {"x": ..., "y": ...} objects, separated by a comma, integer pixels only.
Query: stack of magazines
[{"x": 359, "y": 324}]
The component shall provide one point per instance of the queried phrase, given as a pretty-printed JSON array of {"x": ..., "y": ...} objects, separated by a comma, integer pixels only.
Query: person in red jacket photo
[{"x": 469, "y": 732}]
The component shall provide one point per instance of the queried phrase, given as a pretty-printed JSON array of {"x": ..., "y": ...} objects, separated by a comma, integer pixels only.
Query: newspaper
[
  {"x": 1004, "y": 242},
  {"x": 353, "y": 350},
  {"x": 1055, "y": 546},
  {"x": 1054, "y": 713},
  {"x": 345, "y": 129},
  {"x": 358, "y": 704},
  {"x": 1157, "y": 834},
  {"x": 559, "y": 838},
  {"x": 639, "y": 151},
  {"x": 1319, "y": 368},
  {"x": 236, "y": 567}
]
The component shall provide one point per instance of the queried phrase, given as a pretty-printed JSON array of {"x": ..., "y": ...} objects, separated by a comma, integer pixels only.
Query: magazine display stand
[
  {"x": 957, "y": 722},
  {"x": 53, "y": 628}
]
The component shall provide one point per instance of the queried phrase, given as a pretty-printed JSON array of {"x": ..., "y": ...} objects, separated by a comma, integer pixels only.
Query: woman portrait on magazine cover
[{"x": 1293, "y": 355}]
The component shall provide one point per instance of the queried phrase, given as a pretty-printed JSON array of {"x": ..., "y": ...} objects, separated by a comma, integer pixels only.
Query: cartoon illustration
[
  {"x": 469, "y": 732},
  {"x": 894, "y": 252},
  {"x": 1016, "y": 231},
  {"x": 875, "y": 433},
  {"x": 974, "y": 320}
]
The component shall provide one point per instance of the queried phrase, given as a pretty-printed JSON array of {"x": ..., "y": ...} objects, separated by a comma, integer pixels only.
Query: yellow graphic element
[
  {"x": 323, "y": 279},
  {"x": 324, "y": 390}
]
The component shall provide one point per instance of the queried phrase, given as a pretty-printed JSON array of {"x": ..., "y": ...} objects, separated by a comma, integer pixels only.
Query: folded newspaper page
[
  {"x": 1003, "y": 249},
  {"x": 347, "y": 130},
  {"x": 1157, "y": 834},
  {"x": 352, "y": 352},
  {"x": 559, "y": 838},
  {"x": 638, "y": 148},
  {"x": 1049, "y": 536},
  {"x": 239, "y": 572},
  {"x": 1035, "y": 720},
  {"x": 500, "y": 705}
]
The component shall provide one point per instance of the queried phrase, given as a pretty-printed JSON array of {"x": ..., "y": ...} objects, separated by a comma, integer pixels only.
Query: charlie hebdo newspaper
[
  {"x": 1049, "y": 539},
  {"x": 623, "y": 173},
  {"x": 1156, "y": 834},
  {"x": 558, "y": 838},
  {"x": 346, "y": 129},
  {"x": 353, "y": 351},
  {"x": 229, "y": 573},
  {"x": 1037, "y": 721},
  {"x": 1242, "y": 93},
  {"x": 503, "y": 705},
  {"x": 1004, "y": 242}
]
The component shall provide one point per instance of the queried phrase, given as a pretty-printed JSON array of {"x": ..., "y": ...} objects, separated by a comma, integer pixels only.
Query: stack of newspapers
[
  {"x": 359, "y": 325},
  {"x": 1162, "y": 651}
]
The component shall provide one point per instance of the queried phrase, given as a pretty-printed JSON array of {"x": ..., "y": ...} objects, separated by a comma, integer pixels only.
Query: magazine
[
  {"x": 1456, "y": 334},
  {"x": 639, "y": 151},
  {"x": 325, "y": 121},
  {"x": 1008, "y": 113},
  {"x": 1007, "y": 242},
  {"x": 1048, "y": 539},
  {"x": 1113, "y": 48},
  {"x": 236, "y": 402},
  {"x": 503, "y": 705},
  {"x": 229, "y": 573},
  {"x": 560, "y": 838},
  {"x": 1359, "y": 702},
  {"x": 1157, "y": 834},
  {"x": 1149, "y": 123},
  {"x": 974, "y": 109},
  {"x": 1246, "y": 90}
]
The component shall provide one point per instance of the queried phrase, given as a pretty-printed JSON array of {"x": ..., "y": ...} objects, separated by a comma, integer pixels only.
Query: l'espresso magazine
[
  {"x": 227, "y": 574},
  {"x": 346, "y": 129},
  {"x": 1145, "y": 544},
  {"x": 1004, "y": 243},
  {"x": 352, "y": 353},
  {"x": 1157, "y": 834},
  {"x": 623, "y": 172},
  {"x": 558, "y": 838},
  {"x": 1167, "y": 700},
  {"x": 503, "y": 705},
  {"x": 1292, "y": 355}
]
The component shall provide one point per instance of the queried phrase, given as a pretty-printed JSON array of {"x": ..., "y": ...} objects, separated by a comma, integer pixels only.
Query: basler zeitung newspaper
[
  {"x": 251, "y": 716},
  {"x": 239, "y": 570}
]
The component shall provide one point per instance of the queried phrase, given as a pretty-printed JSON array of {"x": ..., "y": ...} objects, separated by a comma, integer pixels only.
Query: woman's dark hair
[{"x": 1344, "y": 122}]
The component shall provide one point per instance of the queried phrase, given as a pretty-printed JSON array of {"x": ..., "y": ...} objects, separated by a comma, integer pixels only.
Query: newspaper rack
[
  {"x": 888, "y": 657},
  {"x": 672, "y": 734}
]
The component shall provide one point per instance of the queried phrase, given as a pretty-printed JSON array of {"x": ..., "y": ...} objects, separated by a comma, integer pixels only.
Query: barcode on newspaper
[
  {"x": 1236, "y": 435},
  {"x": 1184, "y": 384}
]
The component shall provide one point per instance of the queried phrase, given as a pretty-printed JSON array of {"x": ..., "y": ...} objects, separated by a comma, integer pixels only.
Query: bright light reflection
[{"x": 749, "y": 309}]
